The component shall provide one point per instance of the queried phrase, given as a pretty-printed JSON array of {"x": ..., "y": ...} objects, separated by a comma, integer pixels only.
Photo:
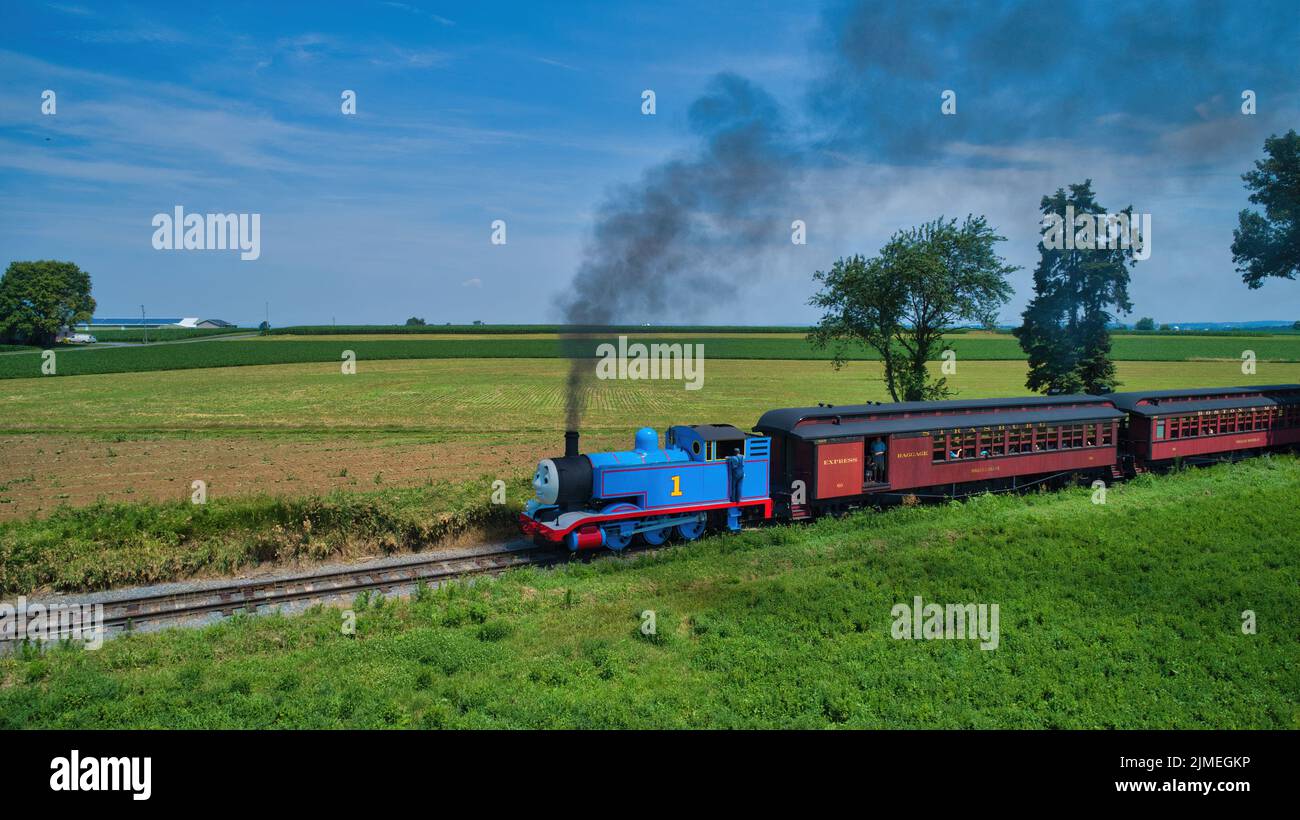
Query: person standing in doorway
[{"x": 878, "y": 450}]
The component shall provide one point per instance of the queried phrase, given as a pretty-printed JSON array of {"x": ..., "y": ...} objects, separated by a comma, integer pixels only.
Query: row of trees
[
  {"x": 926, "y": 280},
  {"x": 39, "y": 299}
]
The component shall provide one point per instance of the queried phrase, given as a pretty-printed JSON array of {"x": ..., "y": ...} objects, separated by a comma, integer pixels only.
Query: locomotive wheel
[
  {"x": 656, "y": 537},
  {"x": 692, "y": 530},
  {"x": 615, "y": 539}
]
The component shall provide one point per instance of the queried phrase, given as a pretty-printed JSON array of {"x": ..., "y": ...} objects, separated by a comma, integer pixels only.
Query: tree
[
  {"x": 1064, "y": 328},
  {"x": 38, "y": 299},
  {"x": 415, "y": 321},
  {"x": 264, "y": 328},
  {"x": 900, "y": 303},
  {"x": 1145, "y": 323},
  {"x": 1267, "y": 245},
  {"x": 1296, "y": 326}
]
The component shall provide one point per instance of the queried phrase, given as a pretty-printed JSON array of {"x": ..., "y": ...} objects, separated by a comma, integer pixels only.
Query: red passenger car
[
  {"x": 1211, "y": 422},
  {"x": 827, "y": 457}
]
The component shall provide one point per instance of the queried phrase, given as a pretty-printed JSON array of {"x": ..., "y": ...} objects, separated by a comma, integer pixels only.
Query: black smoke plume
[{"x": 683, "y": 237}]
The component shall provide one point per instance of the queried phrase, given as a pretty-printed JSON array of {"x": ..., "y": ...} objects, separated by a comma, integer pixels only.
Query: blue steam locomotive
[{"x": 706, "y": 476}]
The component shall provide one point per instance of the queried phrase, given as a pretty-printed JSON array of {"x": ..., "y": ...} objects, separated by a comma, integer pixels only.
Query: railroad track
[{"x": 170, "y": 604}]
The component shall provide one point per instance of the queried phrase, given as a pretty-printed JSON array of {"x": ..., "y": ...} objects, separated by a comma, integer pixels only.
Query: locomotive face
[{"x": 546, "y": 482}]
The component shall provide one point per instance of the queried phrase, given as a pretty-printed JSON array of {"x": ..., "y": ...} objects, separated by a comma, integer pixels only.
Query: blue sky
[{"x": 531, "y": 113}]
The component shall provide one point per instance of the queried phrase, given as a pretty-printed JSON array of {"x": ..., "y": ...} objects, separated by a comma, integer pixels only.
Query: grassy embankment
[
  {"x": 1122, "y": 615},
  {"x": 106, "y": 545}
]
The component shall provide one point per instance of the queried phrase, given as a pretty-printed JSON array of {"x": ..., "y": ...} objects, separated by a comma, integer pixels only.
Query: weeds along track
[{"x": 151, "y": 608}]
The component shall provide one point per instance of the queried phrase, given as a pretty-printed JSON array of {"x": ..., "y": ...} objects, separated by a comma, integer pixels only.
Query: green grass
[
  {"x": 1124, "y": 615},
  {"x": 108, "y": 545},
  {"x": 972, "y": 347}
]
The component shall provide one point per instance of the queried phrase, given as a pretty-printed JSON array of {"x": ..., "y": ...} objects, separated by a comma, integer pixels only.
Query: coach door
[{"x": 839, "y": 468}]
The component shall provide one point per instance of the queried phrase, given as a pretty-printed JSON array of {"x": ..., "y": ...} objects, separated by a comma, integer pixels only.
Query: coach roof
[
  {"x": 1175, "y": 408},
  {"x": 924, "y": 412},
  {"x": 1152, "y": 398}
]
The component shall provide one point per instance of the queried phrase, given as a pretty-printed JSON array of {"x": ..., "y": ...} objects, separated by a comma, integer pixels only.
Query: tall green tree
[
  {"x": 900, "y": 303},
  {"x": 38, "y": 299},
  {"x": 1064, "y": 328},
  {"x": 1268, "y": 244}
]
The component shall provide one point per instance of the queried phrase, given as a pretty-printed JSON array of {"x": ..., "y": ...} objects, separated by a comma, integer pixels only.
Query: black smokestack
[
  {"x": 570, "y": 443},
  {"x": 690, "y": 227}
]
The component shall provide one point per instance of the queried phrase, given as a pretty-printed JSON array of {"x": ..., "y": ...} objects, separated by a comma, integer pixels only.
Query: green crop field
[
  {"x": 1122, "y": 615},
  {"x": 549, "y": 330},
  {"x": 281, "y": 350},
  {"x": 161, "y": 334},
  {"x": 470, "y": 398}
]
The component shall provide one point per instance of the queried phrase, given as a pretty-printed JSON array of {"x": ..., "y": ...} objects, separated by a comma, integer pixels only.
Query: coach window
[
  {"x": 998, "y": 445},
  {"x": 968, "y": 444},
  {"x": 940, "y": 447},
  {"x": 1160, "y": 428}
]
